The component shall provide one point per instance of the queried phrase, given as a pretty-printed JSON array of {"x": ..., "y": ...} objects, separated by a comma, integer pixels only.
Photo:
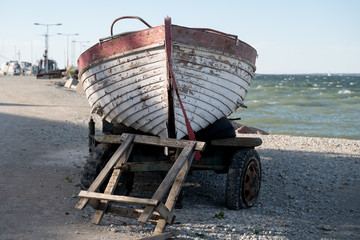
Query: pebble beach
[{"x": 310, "y": 190}]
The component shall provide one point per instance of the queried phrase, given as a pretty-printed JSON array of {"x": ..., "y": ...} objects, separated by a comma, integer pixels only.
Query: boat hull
[{"x": 126, "y": 78}]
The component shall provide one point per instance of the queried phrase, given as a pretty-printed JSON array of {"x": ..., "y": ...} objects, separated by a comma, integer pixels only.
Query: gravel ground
[
  {"x": 310, "y": 190},
  {"x": 310, "y": 187}
]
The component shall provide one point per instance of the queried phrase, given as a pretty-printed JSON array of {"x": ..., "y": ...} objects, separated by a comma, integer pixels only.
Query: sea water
[{"x": 314, "y": 105}]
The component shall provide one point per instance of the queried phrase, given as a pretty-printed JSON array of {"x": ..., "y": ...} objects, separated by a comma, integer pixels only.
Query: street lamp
[
  {"x": 67, "y": 45},
  {"x": 46, "y": 60},
  {"x": 80, "y": 42}
]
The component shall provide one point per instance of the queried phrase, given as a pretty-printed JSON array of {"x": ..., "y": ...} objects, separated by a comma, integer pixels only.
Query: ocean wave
[{"x": 345, "y": 91}]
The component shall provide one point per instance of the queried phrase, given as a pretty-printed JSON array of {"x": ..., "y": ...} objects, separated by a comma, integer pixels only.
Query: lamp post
[
  {"x": 80, "y": 42},
  {"x": 46, "y": 60},
  {"x": 67, "y": 45}
]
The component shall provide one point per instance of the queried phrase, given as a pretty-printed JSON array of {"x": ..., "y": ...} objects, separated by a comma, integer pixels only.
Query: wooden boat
[{"x": 158, "y": 79}]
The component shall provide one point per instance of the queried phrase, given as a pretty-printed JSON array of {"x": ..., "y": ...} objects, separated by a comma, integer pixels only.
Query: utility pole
[
  {"x": 80, "y": 42},
  {"x": 46, "y": 60},
  {"x": 67, "y": 45}
]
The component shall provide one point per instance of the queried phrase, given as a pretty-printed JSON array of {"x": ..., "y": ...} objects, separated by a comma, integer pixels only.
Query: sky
[{"x": 291, "y": 37}]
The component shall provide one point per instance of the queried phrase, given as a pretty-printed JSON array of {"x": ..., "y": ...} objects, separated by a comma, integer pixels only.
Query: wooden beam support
[
  {"x": 117, "y": 198},
  {"x": 149, "y": 140},
  {"x": 237, "y": 142},
  {"x": 185, "y": 154},
  {"x": 106, "y": 170},
  {"x": 155, "y": 209},
  {"x": 174, "y": 193},
  {"x": 127, "y": 212},
  {"x": 165, "y": 213},
  {"x": 113, "y": 182}
]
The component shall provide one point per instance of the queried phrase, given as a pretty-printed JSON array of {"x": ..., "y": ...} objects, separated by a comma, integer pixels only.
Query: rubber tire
[
  {"x": 236, "y": 178},
  {"x": 96, "y": 162}
]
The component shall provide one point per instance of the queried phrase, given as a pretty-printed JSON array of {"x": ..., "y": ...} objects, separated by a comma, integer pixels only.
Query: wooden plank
[
  {"x": 162, "y": 236},
  {"x": 105, "y": 171},
  {"x": 237, "y": 142},
  {"x": 118, "y": 92},
  {"x": 111, "y": 186},
  {"x": 210, "y": 80},
  {"x": 121, "y": 58},
  {"x": 206, "y": 58},
  {"x": 150, "y": 140},
  {"x": 211, "y": 53},
  {"x": 127, "y": 212},
  {"x": 174, "y": 193},
  {"x": 131, "y": 89},
  {"x": 122, "y": 211},
  {"x": 165, "y": 213},
  {"x": 117, "y": 198},
  {"x": 168, "y": 142},
  {"x": 186, "y": 153}
]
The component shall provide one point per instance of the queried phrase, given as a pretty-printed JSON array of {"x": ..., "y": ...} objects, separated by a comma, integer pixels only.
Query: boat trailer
[{"x": 234, "y": 156}]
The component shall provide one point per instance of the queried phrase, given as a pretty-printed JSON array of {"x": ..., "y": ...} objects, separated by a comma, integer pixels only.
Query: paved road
[{"x": 43, "y": 144}]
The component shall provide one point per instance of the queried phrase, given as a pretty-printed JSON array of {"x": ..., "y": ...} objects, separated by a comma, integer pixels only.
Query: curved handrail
[
  {"x": 139, "y": 18},
  {"x": 235, "y": 37}
]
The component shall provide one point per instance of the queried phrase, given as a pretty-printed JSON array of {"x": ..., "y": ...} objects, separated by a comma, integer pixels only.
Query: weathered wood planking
[
  {"x": 116, "y": 198},
  {"x": 131, "y": 89},
  {"x": 165, "y": 185},
  {"x": 150, "y": 140},
  {"x": 211, "y": 85},
  {"x": 126, "y": 77},
  {"x": 119, "y": 63},
  {"x": 127, "y": 143},
  {"x": 238, "y": 142}
]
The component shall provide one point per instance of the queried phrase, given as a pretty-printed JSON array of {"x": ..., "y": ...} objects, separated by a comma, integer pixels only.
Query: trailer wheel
[
  {"x": 96, "y": 162},
  {"x": 243, "y": 179}
]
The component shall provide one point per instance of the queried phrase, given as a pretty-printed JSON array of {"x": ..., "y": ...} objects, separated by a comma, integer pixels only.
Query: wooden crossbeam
[
  {"x": 174, "y": 193},
  {"x": 236, "y": 142},
  {"x": 118, "y": 198},
  {"x": 127, "y": 212},
  {"x": 106, "y": 170},
  {"x": 167, "y": 215},
  {"x": 113, "y": 182},
  {"x": 186, "y": 153},
  {"x": 149, "y": 140},
  {"x": 155, "y": 208}
]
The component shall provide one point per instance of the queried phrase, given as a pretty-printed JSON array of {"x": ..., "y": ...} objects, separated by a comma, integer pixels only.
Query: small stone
[{"x": 326, "y": 228}]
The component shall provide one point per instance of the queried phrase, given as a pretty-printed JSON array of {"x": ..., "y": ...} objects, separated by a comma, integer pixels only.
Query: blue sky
[{"x": 317, "y": 36}]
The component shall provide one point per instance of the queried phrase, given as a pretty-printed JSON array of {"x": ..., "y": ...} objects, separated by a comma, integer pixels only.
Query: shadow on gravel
[
  {"x": 304, "y": 195},
  {"x": 39, "y": 167},
  {"x": 20, "y": 131}
]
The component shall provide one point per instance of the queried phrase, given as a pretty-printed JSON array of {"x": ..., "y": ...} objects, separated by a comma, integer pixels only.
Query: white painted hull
[
  {"x": 131, "y": 89},
  {"x": 211, "y": 85},
  {"x": 131, "y": 86}
]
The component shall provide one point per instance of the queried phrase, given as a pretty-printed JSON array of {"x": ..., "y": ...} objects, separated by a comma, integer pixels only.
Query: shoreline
[{"x": 310, "y": 144}]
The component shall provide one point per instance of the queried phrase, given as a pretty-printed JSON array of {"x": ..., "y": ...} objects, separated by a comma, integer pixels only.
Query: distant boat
[{"x": 135, "y": 78}]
